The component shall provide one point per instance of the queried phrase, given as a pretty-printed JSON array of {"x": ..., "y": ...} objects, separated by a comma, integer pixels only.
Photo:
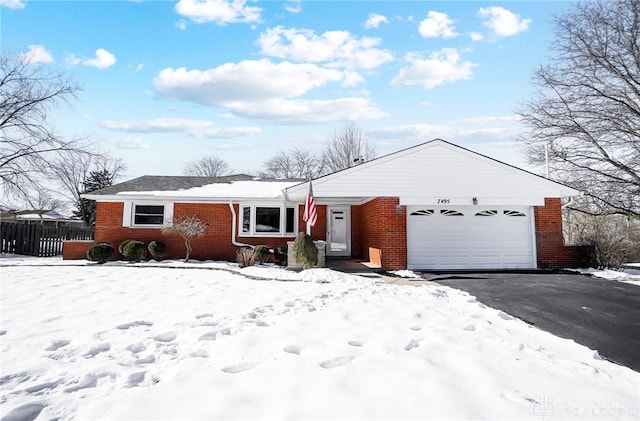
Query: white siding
[{"x": 437, "y": 170}]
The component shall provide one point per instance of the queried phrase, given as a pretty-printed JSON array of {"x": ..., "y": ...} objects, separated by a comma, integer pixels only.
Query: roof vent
[{"x": 359, "y": 160}]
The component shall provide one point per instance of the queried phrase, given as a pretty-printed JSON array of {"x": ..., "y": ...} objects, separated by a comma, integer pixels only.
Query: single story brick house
[{"x": 434, "y": 206}]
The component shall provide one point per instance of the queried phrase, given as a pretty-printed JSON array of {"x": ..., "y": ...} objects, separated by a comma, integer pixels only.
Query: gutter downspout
[{"x": 234, "y": 219}]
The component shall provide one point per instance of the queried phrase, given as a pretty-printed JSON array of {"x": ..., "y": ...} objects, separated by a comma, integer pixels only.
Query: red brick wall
[
  {"x": 215, "y": 244},
  {"x": 382, "y": 224},
  {"x": 550, "y": 248},
  {"x": 75, "y": 250}
]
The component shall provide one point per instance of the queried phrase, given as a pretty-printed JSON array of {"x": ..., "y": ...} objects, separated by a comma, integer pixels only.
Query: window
[
  {"x": 268, "y": 221},
  {"x": 487, "y": 213},
  {"x": 148, "y": 215},
  {"x": 450, "y": 212},
  {"x": 422, "y": 212},
  {"x": 513, "y": 213}
]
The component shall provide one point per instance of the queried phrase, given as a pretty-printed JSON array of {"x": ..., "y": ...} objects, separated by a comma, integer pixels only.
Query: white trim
[
  {"x": 252, "y": 219},
  {"x": 128, "y": 217}
]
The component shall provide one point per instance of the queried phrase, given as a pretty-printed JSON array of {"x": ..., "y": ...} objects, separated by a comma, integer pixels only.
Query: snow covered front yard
[{"x": 124, "y": 342}]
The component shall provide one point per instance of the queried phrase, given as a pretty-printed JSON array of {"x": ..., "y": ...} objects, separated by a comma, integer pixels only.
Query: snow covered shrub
[
  {"x": 157, "y": 250},
  {"x": 134, "y": 250},
  {"x": 305, "y": 251},
  {"x": 260, "y": 254},
  {"x": 100, "y": 252},
  {"x": 245, "y": 257},
  {"x": 280, "y": 253}
]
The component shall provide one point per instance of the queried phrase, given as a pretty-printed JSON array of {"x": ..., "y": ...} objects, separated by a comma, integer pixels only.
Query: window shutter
[
  {"x": 168, "y": 214},
  {"x": 126, "y": 214}
]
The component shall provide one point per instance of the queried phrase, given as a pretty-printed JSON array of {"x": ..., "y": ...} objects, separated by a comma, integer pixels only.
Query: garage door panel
[{"x": 473, "y": 237}]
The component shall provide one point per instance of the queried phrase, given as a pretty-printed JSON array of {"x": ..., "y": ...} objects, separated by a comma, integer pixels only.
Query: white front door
[{"x": 338, "y": 231}]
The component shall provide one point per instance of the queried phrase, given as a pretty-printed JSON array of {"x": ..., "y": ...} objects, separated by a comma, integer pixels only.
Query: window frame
[
  {"x": 129, "y": 219},
  {"x": 253, "y": 232}
]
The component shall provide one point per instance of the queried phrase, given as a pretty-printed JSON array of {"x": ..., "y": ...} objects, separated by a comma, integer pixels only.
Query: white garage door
[{"x": 470, "y": 237}]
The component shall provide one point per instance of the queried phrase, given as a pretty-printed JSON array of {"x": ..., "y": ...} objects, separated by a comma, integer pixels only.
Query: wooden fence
[{"x": 38, "y": 240}]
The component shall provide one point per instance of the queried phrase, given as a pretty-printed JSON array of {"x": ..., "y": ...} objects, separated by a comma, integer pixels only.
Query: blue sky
[{"x": 168, "y": 82}]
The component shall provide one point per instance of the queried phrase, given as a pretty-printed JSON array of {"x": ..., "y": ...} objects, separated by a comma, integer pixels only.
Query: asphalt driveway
[{"x": 600, "y": 314}]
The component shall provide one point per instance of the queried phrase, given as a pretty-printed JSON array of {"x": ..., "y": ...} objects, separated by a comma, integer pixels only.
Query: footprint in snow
[
  {"x": 416, "y": 328},
  {"x": 43, "y": 386},
  {"x": 292, "y": 349},
  {"x": 2, "y": 332},
  {"x": 413, "y": 343},
  {"x": 166, "y": 337},
  {"x": 203, "y": 315},
  {"x": 95, "y": 350},
  {"x": 470, "y": 328},
  {"x": 355, "y": 343},
  {"x": 125, "y": 326},
  {"x": 28, "y": 412},
  {"x": 87, "y": 382},
  {"x": 55, "y": 345},
  {"x": 337, "y": 362},
  {"x": 149, "y": 359},
  {"x": 137, "y": 347},
  {"x": 209, "y": 336},
  {"x": 135, "y": 378},
  {"x": 238, "y": 368}
]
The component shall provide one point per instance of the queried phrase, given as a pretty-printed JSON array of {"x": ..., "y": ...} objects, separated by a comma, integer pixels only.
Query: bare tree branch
[
  {"x": 210, "y": 166},
  {"x": 587, "y": 110},
  {"x": 346, "y": 148}
]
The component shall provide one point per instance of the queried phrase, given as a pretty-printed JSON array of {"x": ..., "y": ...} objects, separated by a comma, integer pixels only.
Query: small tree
[
  {"x": 188, "y": 227},
  {"x": 305, "y": 251}
]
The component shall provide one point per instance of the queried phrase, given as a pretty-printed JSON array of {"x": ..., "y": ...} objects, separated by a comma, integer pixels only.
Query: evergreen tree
[{"x": 96, "y": 180}]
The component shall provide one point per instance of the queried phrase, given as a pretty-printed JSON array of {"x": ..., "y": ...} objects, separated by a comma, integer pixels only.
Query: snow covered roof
[{"x": 239, "y": 186}]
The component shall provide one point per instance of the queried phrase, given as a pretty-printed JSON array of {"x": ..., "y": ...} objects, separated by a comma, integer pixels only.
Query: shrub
[
  {"x": 100, "y": 252},
  {"x": 157, "y": 250},
  {"x": 305, "y": 251},
  {"x": 245, "y": 257},
  {"x": 121, "y": 247},
  {"x": 280, "y": 253},
  {"x": 134, "y": 250},
  {"x": 260, "y": 254}
]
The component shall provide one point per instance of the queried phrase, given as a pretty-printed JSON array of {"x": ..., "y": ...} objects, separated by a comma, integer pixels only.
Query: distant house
[
  {"x": 434, "y": 206},
  {"x": 39, "y": 216}
]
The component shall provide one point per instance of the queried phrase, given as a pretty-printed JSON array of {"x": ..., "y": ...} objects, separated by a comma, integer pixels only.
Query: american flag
[{"x": 310, "y": 213}]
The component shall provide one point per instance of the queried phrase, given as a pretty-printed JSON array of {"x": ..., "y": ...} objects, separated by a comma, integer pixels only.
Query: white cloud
[
  {"x": 131, "y": 142},
  {"x": 181, "y": 24},
  {"x": 476, "y": 36},
  {"x": 375, "y": 20},
  {"x": 245, "y": 81},
  {"x": 435, "y": 25},
  {"x": 309, "y": 111},
  {"x": 220, "y": 12},
  {"x": 102, "y": 60},
  {"x": 263, "y": 90},
  {"x": 12, "y": 4},
  {"x": 503, "y": 22},
  {"x": 36, "y": 54},
  {"x": 293, "y": 6},
  {"x": 136, "y": 67},
  {"x": 195, "y": 128},
  {"x": 440, "y": 67},
  {"x": 335, "y": 48}
]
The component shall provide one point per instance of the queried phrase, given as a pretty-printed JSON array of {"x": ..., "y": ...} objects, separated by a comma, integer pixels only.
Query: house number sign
[{"x": 444, "y": 201}]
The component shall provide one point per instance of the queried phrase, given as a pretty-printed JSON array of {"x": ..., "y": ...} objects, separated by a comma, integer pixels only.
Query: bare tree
[
  {"x": 209, "y": 166},
  {"x": 346, "y": 148},
  {"x": 76, "y": 172},
  {"x": 188, "y": 227},
  {"x": 295, "y": 163},
  {"x": 587, "y": 110},
  {"x": 27, "y": 93}
]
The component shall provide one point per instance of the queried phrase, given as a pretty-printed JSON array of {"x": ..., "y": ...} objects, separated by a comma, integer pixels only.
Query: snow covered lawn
[{"x": 124, "y": 342}]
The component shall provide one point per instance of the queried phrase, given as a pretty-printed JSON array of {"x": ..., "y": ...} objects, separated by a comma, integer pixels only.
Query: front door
[{"x": 338, "y": 231}]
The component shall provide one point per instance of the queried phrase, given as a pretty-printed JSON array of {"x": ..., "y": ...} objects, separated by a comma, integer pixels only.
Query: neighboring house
[
  {"x": 39, "y": 216},
  {"x": 435, "y": 206}
]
